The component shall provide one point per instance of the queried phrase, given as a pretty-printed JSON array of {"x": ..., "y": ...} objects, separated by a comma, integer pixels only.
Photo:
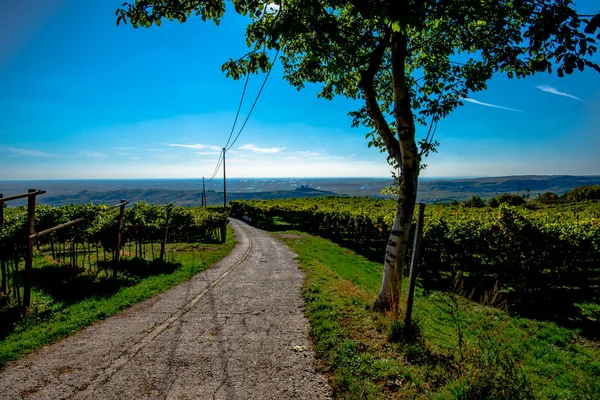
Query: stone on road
[{"x": 235, "y": 331}]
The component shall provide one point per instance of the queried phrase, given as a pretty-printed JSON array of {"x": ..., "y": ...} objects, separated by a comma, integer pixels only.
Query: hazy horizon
[{"x": 220, "y": 178}]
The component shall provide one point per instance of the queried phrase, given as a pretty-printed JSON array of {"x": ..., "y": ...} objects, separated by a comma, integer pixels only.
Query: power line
[
  {"x": 227, "y": 145},
  {"x": 238, "y": 110},
  {"x": 255, "y": 101},
  {"x": 217, "y": 167}
]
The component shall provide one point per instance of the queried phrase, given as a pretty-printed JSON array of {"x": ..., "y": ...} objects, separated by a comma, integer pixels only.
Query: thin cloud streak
[
  {"x": 194, "y": 146},
  {"x": 92, "y": 154},
  {"x": 553, "y": 90},
  {"x": 269, "y": 150},
  {"x": 15, "y": 151},
  {"x": 481, "y": 103}
]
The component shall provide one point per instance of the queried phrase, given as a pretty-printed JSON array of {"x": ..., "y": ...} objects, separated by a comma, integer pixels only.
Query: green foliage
[
  {"x": 143, "y": 223},
  {"x": 582, "y": 193}
]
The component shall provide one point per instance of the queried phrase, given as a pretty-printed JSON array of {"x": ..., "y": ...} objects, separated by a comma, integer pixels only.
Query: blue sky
[{"x": 81, "y": 98}]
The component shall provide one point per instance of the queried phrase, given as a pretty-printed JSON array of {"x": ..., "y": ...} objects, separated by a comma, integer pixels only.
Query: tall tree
[{"x": 410, "y": 61}]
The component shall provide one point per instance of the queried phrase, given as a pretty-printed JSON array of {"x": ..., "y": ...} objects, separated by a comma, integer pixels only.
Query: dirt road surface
[{"x": 235, "y": 331}]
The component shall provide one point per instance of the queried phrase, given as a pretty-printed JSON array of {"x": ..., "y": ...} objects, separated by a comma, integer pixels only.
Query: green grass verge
[
  {"x": 60, "y": 320},
  {"x": 460, "y": 350}
]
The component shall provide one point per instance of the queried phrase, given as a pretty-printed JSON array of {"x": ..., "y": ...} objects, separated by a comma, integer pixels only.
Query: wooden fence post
[
  {"x": 29, "y": 258},
  {"x": 2, "y": 261},
  {"x": 119, "y": 233},
  {"x": 164, "y": 241},
  {"x": 413, "y": 270}
]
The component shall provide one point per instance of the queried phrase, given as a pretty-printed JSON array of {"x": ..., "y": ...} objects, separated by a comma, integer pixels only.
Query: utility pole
[{"x": 224, "y": 183}]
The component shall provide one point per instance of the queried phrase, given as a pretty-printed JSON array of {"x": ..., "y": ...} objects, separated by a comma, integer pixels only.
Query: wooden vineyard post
[
  {"x": 164, "y": 241},
  {"x": 119, "y": 234},
  {"x": 29, "y": 258},
  {"x": 413, "y": 270},
  {"x": 224, "y": 232},
  {"x": 2, "y": 261}
]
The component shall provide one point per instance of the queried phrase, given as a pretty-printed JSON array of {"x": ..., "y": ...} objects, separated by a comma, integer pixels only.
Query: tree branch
[{"x": 366, "y": 84}]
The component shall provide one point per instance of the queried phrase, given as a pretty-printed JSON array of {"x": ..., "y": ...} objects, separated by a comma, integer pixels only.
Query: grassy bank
[
  {"x": 459, "y": 349},
  {"x": 58, "y": 312}
]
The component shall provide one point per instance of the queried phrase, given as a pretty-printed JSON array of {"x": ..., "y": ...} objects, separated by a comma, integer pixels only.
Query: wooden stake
[
  {"x": 413, "y": 270},
  {"x": 119, "y": 232},
  {"x": 29, "y": 258},
  {"x": 164, "y": 241}
]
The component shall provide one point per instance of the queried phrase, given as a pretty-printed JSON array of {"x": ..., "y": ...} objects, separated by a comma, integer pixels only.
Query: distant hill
[
  {"x": 181, "y": 197},
  {"x": 486, "y": 188}
]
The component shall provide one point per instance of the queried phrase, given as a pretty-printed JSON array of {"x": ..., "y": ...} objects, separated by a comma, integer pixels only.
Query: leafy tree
[
  {"x": 408, "y": 61},
  {"x": 510, "y": 199},
  {"x": 582, "y": 193},
  {"x": 475, "y": 201},
  {"x": 548, "y": 197}
]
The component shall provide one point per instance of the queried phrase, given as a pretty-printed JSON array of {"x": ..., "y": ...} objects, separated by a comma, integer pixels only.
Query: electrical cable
[
  {"x": 255, "y": 101},
  {"x": 227, "y": 145},
  {"x": 217, "y": 167},
  {"x": 238, "y": 110}
]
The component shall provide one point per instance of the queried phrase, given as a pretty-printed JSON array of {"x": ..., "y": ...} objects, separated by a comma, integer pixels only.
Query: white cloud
[
  {"x": 270, "y": 150},
  {"x": 15, "y": 151},
  {"x": 307, "y": 153},
  {"x": 208, "y": 153},
  {"x": 194, "y": 146},
  {"x": 550, "y": 89},
  {"x": 481, "y": 103}
]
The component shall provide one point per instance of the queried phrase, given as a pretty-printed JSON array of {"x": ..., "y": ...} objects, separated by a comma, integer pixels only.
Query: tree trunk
[{"x": 395, "y": 255}]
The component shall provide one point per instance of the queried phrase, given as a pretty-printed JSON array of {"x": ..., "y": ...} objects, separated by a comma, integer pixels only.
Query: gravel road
[{"x": 235, "y": 331}]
